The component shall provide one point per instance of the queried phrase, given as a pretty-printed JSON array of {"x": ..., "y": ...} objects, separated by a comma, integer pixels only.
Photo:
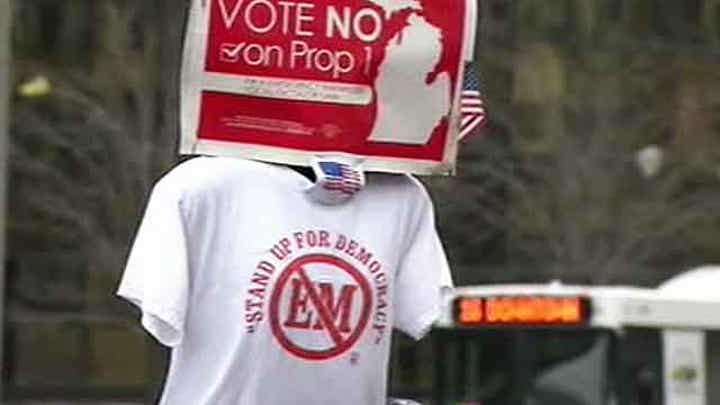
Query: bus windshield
[{"x": 522, "y": 366}]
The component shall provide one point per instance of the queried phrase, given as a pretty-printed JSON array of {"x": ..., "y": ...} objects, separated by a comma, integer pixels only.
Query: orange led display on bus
[
  {"x": 471, "y": 310},
  {"x": 522, "y": 310}
]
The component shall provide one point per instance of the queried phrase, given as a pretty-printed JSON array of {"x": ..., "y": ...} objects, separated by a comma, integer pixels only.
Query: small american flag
[
  {"x": 340, "y": 177},
  {"x": 472, "y": 107}
]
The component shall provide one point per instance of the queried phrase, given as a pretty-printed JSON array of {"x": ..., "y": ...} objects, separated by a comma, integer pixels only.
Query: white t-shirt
[{"x": 269, "y": 298}]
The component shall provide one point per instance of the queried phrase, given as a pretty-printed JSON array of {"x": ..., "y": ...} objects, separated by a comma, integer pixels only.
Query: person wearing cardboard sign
[
  {"x": 277, "y": 268},
  {"x": 267, "y": 296}
]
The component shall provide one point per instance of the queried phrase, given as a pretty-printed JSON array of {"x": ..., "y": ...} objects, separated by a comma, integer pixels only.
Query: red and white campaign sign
[{"x": 286, "y": 80}]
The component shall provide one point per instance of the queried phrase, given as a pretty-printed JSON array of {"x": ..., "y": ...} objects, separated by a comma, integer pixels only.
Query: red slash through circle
[
  {"x": 295, "y": 280},
  {"x": 322, "y": 309}
]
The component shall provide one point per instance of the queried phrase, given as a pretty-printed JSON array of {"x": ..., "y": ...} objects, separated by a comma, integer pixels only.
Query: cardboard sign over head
[{"x": 286, "y": 80}]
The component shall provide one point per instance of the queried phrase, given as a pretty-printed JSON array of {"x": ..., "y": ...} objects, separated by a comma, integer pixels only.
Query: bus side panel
[{"x": 713, "y": 367}]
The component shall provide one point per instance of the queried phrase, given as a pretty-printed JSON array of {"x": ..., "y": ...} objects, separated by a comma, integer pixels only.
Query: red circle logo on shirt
[{"x": 320, "y": 307}]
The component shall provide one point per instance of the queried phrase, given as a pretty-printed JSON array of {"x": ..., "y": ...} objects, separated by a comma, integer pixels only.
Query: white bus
[{"x": 558, "y": 344}]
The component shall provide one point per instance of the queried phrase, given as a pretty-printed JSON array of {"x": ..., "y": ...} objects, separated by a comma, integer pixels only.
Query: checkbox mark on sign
[{"x": 230, "y": 52}]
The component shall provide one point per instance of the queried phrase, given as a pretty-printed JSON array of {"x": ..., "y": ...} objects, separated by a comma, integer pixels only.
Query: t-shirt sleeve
[
  {"x": 156, "y": 277},
  {"x": 423, "y": 276}
]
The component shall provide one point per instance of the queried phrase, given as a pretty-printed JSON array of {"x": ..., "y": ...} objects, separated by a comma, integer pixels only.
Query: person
[
  {"x": 274, "y": 284},
  {"x": 267, "y": 295}
]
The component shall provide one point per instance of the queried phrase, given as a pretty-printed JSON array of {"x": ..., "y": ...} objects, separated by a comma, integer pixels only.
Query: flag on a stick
[{"x": 473, "y": 114}]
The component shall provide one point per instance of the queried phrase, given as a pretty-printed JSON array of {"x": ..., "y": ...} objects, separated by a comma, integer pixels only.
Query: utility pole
[{"x": 5, "y": 59}]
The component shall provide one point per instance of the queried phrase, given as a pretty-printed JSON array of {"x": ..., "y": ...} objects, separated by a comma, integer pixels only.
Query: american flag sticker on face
[{"x": 337, "y": 180}]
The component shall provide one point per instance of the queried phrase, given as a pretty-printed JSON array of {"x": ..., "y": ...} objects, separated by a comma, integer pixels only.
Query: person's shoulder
[
  {"x": 205, "y": 173},
  {"x": 405, "y": 190},
  {"x": 401, "y": 183},
  {"x": 215, "y": 165}
]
